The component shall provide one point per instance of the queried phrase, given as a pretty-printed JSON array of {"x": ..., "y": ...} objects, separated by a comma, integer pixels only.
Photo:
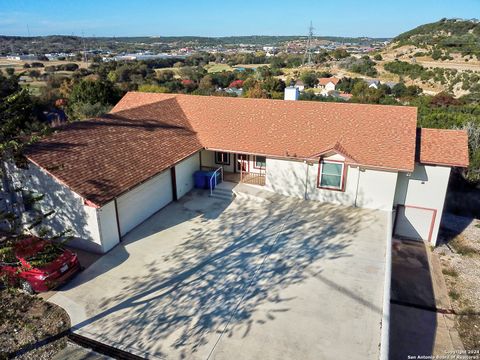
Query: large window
[
  {"x": 222, "y": 158},
  {"x": 331, "y": 175},
  {"x": 260, "y": 162}
]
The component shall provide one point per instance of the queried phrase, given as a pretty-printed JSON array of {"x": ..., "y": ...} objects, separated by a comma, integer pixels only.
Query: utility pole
[
  {"x": 85, "y": 58},
  {"x": 307, "y": 57}
]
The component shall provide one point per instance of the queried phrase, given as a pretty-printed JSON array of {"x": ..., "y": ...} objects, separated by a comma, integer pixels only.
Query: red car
[{"x": 37, "y": 265}]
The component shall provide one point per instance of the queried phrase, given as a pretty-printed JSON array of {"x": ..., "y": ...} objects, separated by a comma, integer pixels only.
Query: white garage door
[
  {"x": 143, "y": 201},
  {"x": 414, "y": 223}
]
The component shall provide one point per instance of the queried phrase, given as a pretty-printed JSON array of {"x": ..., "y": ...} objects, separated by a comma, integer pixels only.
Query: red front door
[{"x": 242, "y": 163}]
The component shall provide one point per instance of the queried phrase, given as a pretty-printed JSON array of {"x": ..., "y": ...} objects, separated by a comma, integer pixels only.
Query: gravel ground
[
  {"x": 25, "y": 324},
  {"x": 459, "y": 254}
]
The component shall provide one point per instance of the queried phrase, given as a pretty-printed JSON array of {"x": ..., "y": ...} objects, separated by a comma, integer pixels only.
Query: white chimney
[{"x": 291, "y": 93}]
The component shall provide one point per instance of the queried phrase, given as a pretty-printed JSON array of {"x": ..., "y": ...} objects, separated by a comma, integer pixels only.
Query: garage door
[
  {"x": 414, "y": 222},
  {"x": 143, "y": 201}
]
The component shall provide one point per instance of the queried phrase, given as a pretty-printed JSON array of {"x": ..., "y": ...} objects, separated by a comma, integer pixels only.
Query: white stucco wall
[
  {"x": 107, "y": 220},
  {"x": 70, "y": 211},
  {"x": 208, "y": 159},
  {"x": 376, "y": 189},
  {"x": 367, "y": 188},
  {"x": 184, "y": 174},
  {"x": 330, "y": 86},
  {"x": 425, "y": 187}
]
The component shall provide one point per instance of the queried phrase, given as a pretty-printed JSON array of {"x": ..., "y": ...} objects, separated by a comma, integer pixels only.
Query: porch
[
  {"x": 236, "y": 167},
  {"x": 244, "y": 177}
]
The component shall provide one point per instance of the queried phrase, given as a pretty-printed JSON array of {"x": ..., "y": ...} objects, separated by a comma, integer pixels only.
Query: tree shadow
[{"x": 225, "y": 267}]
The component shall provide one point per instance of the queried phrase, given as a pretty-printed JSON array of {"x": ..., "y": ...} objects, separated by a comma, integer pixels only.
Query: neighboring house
[
  {"x": 374, "y": 83},
  {"x": 300, "y": 85},
  {"x": 328, "y": 84},
  {"x": 390, "y": 84},
  {"x": 105, "y": 176}
]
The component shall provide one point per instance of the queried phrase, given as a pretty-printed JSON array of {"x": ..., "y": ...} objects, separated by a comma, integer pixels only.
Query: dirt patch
[
  {"x": 459, "y": 254},
  {"x": 30, "y": 328}
]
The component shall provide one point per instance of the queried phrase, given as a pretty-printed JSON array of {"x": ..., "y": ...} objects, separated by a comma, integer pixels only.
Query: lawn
[{"x": 214, "y": 68}]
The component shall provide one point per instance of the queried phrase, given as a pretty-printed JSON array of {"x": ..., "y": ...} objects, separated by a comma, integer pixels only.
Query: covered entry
[{"x": 414, "y": 222}]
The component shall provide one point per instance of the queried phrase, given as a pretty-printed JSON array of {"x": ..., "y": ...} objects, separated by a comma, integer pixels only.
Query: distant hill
[{"x": 447, "y": 35}]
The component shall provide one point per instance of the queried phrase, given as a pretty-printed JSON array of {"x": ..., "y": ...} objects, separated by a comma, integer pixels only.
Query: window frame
[
  {"x": 343, "y": 175},
  {"x": 255, "y": 163},
  {"x": 227, "y": 162}
]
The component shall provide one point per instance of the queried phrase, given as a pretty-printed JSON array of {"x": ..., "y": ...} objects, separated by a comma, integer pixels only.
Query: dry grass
[
  {"x": 450, "y": 272},
  {"x": 461, "y": 245}
]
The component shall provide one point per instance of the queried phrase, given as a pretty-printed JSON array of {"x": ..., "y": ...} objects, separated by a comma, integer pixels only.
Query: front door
[{"x": 242, "y": 163}]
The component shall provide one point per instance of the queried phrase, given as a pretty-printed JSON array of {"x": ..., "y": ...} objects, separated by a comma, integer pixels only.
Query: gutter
[{"x": 385, "y": 331}]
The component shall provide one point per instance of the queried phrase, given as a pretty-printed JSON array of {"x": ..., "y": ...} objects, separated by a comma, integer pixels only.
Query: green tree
[
  {"x": 206, "y": 84},
  {"x": 309, "y": 78},
  {"x": 89, "y": 96}
]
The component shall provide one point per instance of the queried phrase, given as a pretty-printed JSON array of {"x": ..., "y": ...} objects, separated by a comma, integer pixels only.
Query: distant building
[
  {"x": 27, "y": 57},
  {"x": 300, "y": 85},
  {"x": 328, "y": 84},
  {"x": 390, "y": 84},
  {"x": 374, "y": 83}
]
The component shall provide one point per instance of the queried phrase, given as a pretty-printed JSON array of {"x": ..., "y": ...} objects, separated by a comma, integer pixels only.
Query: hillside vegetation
[{"x": 444, "y": 36}]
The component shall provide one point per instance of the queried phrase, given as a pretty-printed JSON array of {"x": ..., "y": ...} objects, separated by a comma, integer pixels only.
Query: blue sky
[{"x": 375, "y": 18}]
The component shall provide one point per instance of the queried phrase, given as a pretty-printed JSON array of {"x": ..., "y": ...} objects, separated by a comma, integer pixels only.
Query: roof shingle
[
  {"x": 442, "y": 147},
  {"x": 146, "y": 133}
]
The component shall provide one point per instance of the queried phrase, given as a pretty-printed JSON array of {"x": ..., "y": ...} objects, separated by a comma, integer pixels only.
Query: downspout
[
  {"x": 305, "y": 196},
  {"x": 358, "y": 184},
  {"x": 118, "y": 221}
]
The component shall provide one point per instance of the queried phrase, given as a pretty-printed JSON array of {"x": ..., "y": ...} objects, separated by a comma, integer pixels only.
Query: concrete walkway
[{"x": 207, "y": 278}]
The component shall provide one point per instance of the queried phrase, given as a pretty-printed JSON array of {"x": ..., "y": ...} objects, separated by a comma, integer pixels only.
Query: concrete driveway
[{"x": 206, "y": 278}]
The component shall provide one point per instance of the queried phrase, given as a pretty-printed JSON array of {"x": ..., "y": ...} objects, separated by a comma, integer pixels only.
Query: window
[
  {"x": 260, "y": 162},
  {"x": 222, "y": 158},
  {"x": 331, "y": 175}
]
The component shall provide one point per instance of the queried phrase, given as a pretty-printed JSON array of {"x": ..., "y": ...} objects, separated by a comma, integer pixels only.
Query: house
[
  {"x": 300, "y": 85},
  {"x": 105, "y": 176},
  {"x": 373, "y": 83},
  {"x": 328, "y": 84}
]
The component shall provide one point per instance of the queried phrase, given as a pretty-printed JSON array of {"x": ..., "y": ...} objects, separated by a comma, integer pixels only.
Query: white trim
[{"x": 342, "y": 173}]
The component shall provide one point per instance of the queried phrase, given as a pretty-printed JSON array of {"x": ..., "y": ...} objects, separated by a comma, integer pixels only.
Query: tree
[
  {"x": 309, "y": 78},
  {"x": 91, "y": 98},
  {"x": 34, "y": 74},
  {"x": 338, "y": 54},
  {"x": 399, "y": 90},
  {"x": 256, "y": 91},
  {"x": 378, "y": 57},
  {"x": 165, "y": 75},
  {"x": 206, "y": 83},
  {"x": 10, "y": 71}
]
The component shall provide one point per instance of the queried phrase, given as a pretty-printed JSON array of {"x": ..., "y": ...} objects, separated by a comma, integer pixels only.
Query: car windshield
[{"x": 48, "y": 253}]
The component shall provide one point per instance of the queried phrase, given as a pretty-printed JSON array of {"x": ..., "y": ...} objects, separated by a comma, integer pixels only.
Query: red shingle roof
[
  {"x": 325, "y": 81},
  {"x": 442, "y": 147},
  {"x": 146, "y": 133},
  {"x": 375, "y": 135},
  {"x": 102, "y": 158}
]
